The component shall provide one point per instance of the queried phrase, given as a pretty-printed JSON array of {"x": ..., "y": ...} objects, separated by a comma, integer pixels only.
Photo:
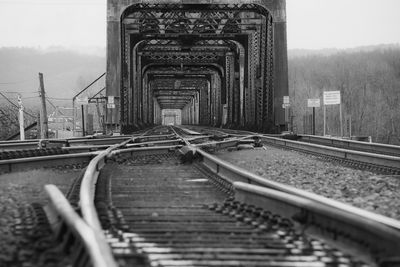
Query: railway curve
[{"x": 159, "y": 200}]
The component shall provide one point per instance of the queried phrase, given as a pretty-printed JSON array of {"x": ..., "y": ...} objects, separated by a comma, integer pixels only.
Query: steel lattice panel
[{"x": 181, "y": 35}]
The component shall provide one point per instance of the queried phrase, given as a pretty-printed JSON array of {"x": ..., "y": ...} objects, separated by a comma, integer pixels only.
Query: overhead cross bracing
[{"x": 224, "y": 63}]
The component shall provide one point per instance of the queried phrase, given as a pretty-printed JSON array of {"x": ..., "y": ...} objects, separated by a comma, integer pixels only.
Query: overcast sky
[{"x": 312, "y": 24}]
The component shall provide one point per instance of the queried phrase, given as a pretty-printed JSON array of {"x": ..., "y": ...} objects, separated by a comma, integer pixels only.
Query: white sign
[
  {"x": 110, "y": 105},
  {"x": 82, "y": 101},
  {"x": 285, "y": 105},
  {"x": 331, "y": 97},
  {"x": 110, "y": 99},
  {"x": 286, "y": 99},
  {"x": 313, "y": 103}
]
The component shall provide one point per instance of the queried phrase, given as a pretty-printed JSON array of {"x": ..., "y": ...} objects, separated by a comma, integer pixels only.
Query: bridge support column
[
  {"x": 113, "y": 85},
  {"x": 229, "y": 84},
  {"x": 281, "y": 83}
]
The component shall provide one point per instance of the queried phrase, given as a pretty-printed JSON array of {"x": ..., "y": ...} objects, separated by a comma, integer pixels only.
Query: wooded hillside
[
  {"x": 65, "y": 73},
  {"x": 369, "y": 82}
]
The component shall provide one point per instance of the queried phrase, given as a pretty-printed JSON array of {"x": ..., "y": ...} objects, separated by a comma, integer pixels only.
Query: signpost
[
  {"x": 286, "y": 99},
  {"x": 83, "y": 102},
  {"x": 313, "y": 103},
  {"x": 333, "y": 98},
  {"x": 21, "y": 119},
  {"x": 111, "y": 106},
  {"x": 286, "y": 105},
  {"x": 110, "y": 103}
]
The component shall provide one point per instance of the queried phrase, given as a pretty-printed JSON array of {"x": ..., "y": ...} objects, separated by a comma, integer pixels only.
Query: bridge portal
[{"x": 221, "y": 63}]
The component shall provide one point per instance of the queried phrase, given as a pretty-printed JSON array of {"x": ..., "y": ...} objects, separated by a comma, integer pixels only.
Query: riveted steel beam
[{"x": 177, "y": 36}]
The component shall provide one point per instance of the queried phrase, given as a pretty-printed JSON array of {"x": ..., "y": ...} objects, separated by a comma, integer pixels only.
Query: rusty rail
[{"x": 60, "y": 212}]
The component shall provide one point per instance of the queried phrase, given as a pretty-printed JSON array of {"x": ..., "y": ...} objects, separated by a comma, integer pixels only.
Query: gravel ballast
[
  {"x": 21, "y": 242},
  {"x": 370, "y": 191}
]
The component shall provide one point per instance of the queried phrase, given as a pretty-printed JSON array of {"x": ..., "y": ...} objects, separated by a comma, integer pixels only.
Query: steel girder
[
  {"x": 163, "y": 82},
  {"x": 180, "y": 34}
]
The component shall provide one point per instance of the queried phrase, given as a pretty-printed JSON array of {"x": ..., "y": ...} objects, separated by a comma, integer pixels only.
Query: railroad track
[
  {"x": 155, "y": 210},
  {"x": 174, "y": 215},
  {"x": 376, "y": 148},
  {"x": 217, "y": 131},
  {"x": 361, "y": 155},
  {"x": 350, "y": 157},
  {"x": 78, "y": 153},
  {"x": 31, "y": 144}
]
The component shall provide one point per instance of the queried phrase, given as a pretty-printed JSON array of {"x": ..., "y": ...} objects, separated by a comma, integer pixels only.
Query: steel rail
[
  {"x": 88, "y": 184},
  {"x": 334, "y": 220},
  {"x": 180, "y": 137},
  {"x": 18, "y": 145},
  {"x": 82, "y": 138},
  {"x": 29, "y": 144},
  {"x": 112, "y": 140},
  {"x": 316, "y": 209},
  {"x": 338, "y": 222},
  {"x": 87, "y": 194},
  {"x": 364, "y": 157},
  {"x": 224, "y": 144},
  {"x": 35, "y": 143},
  {"x": 143, "y": 150},
  {"x": 383, "y": 226},
  {"x": 212, "y": 144},
  {"x": 87, "y": 190},
  {"x": 60, "y": 211},
  {"x": 187, "y": 131},
  {"x": 233, "y": 173},
  {"x": 352, "y": 144},
  {"x": 153, "y": 138},
  {"x": 233, "y": 140},
  {"x": 88, "y": 148},
  {"x": 225, "y": 130},
  {"x": 19, "y": 141},
  {"x": 198, "y": 138},
  {"x": 142, "y": 144},
  {"x": 155, "y": 143},
  {"x": 89, "y": 179},
  {"x": 11, "y": 165},
  {"x": 78, "y": 143}
]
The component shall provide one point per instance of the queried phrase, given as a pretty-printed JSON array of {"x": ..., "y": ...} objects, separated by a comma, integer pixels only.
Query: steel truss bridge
[{"x": 221, "y": 63}]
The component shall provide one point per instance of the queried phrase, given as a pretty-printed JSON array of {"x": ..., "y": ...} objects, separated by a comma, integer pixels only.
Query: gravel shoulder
[
  {"x": 367, "y": 190},
  {"x": 18, "y": 231}
]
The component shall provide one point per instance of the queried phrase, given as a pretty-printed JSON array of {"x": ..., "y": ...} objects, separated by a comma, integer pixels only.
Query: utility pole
[
  {"x": 44, "y": 125},
  {"x": 21, "y": 119}
]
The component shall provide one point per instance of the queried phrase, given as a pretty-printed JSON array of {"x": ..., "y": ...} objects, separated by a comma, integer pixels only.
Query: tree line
[{"x": 369, "y": 82}]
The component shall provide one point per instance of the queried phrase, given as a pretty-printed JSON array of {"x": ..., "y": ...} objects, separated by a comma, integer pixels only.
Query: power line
[
  {"x": 54, "y": 106},
  {"x": 59, "y": 99},
  {"x": 24, "y": 92},
  {"x": 30, "y": 97},
  {"x": 15, "y": 82},
  {"x": 15, "y": 105}
]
